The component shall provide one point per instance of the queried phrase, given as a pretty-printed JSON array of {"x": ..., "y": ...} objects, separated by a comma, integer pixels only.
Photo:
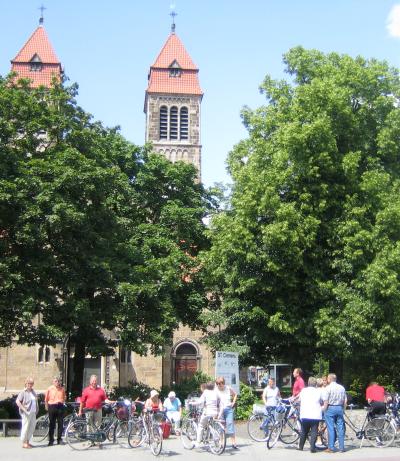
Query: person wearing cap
[
  {"x": 173, "y": 408},
  {"x": 154, "y": 402}
]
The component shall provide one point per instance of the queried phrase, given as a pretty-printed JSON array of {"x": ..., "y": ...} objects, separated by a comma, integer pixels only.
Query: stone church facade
[{"x": 172, "y": 108}]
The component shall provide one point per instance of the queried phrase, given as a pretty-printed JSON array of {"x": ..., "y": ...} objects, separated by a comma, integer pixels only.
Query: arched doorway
[{"x": 185, "y": 360}]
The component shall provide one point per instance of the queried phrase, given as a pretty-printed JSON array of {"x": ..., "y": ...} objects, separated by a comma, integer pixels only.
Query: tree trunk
[
  {"x": 336, "y": 366},
  {"x": 79, "y": 365}
]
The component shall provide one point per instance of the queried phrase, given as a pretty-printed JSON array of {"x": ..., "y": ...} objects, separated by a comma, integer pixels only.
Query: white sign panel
[{"x": 227, "y": 365}]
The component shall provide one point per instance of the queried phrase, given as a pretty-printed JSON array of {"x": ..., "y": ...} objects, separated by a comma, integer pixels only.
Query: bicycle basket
[
  {"x": 258, "y": 409},
  {"x": 280, "y": 412}
]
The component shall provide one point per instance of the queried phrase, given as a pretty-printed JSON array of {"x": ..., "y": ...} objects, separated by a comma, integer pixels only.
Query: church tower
[
  {"x": 172, "y": 104},
  {"x": 37, "y": 60}
]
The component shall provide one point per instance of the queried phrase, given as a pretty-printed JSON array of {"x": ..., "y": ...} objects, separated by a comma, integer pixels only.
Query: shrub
[
  {"x": 9, "y": 407},
  {"x": 245, "y": 401},
  {"x": 132, "y": 391},
  {"x": 188, "y": 387}
]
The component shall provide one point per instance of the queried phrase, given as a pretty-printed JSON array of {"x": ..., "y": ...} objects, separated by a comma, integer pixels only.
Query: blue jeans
[
  {"x": 228, "y": 417},
  {"x": 335, "y": 423}
]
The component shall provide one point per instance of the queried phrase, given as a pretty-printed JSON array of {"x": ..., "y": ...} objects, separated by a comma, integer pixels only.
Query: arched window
[
  {"x": 47, "y": 354},
  {"x": 163, "y": 122},
  {"x": 43, "y": 354},
  {"x": 186, "y": 361},
  {"x": 173, "y": 123},
  {"x": 184, "y": 125}
]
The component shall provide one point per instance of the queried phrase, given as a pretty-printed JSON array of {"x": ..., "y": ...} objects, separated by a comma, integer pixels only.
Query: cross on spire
[
  {"x": 41, "y": 8},
  {"x": 173, "y": 14}
]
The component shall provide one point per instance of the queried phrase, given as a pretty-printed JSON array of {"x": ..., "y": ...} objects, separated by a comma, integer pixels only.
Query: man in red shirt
[
  {"x": 298, "y": 383},
  {"x": 375, "y": 396},
  {"x": 93, "y": 397}
]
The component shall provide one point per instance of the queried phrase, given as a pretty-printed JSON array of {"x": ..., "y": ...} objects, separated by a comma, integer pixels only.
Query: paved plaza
[{"x": 10, "y": 450}]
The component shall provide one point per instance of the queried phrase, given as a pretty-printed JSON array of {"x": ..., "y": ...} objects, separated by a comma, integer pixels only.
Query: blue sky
[{"x": 108, "y": 47}]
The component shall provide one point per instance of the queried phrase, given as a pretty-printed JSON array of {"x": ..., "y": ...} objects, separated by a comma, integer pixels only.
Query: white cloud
[{"x": 393, "y": 21}]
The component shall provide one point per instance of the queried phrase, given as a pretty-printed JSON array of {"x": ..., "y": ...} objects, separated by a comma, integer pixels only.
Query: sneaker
[
  {"x": 328, "y": 450},
  {"x": 235, "y": 447}
]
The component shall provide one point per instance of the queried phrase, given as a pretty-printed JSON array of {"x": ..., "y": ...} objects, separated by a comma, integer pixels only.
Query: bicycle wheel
[
  {"x": 255, "y": 429},
  {"x": 291, "y": 429},
  {"x": 273, "y": 435},
  {"x": 76, "y": 435},
  {"x": 188, "y": 433},
  {"x": 323, "y": 434},
  {"x": 216, "y": 438},
  {"x": 136, "y": 435},
  {"x": 120, "y": 434},
  {"x": 155, "y": 439},
  {"x": 107, "y": 425},
  {"x": 41, "y": 429},
  {"x": 380, "y": 432},
  {"x": 66, "y": 422}
]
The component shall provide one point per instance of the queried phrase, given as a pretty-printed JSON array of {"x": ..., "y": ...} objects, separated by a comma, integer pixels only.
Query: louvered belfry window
[
  {"x": 173, "y": 123},
  {"x": 184, "y": 125},
  {"x": 163, "y": 122}
]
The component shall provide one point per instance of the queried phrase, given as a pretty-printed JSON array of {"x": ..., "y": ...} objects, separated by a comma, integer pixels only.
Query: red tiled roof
[
  {"x": 39, "y": 78},
  {"x": 160, "y": 80},
  {"x": 174, "y": 49},
  {"x": 37, "y": 44}
]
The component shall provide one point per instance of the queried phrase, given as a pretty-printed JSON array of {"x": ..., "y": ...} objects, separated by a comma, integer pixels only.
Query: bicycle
[
  {"x": 257, "y": 424},
  {"x": 82, "y": 433},
  {"x": 189, "y": 424},
  {"x": 213, "y": 435},
  {"x": 146, "y": 429},
  {"x": 278, "y": 420},
  {"x": 42, "y": 426},
  {"x": 380, "y": 431},
  {"x": 262, "y": 421}
]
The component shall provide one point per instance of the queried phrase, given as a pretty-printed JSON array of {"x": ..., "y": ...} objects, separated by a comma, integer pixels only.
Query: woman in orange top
[
  {"x": 154, "y": 403},
  {"x": 54, "y": 401}
]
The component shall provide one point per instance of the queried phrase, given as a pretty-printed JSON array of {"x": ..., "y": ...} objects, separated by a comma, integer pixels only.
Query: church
[{"x": 172, "y": 109}]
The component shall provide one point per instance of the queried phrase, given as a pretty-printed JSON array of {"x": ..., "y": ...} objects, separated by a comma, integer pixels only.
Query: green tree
[
  {"x": 98, "y": 237},
  {"x": 306, "y": 260}
]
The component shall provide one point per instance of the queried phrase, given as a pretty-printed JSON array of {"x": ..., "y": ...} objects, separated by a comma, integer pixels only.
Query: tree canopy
[
  {"x": 306, "y": 261},
  {"x": 96, "y": 234}
]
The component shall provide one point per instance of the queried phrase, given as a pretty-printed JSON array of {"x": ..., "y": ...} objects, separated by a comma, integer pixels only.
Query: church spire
[
  {"x": 37, "y": 60},
  {"x": 41, "y": 19},
  {"x": 173, "y": 14}
]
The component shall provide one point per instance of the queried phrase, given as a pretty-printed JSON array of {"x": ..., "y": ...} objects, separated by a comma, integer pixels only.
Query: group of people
[
  {"x": 217, "y": 400},
  {"x": 323, "y": 399}
]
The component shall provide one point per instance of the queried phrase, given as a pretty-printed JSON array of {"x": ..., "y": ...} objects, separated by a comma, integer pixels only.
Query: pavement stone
[{"x": 11, "y": 450}]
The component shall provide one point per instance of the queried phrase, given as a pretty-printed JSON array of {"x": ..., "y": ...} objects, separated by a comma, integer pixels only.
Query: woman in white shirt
[
  {"x": 310, "y": 413},
  {"x": 211, "y": 407},
  {"x": 270, "y": 397}
]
